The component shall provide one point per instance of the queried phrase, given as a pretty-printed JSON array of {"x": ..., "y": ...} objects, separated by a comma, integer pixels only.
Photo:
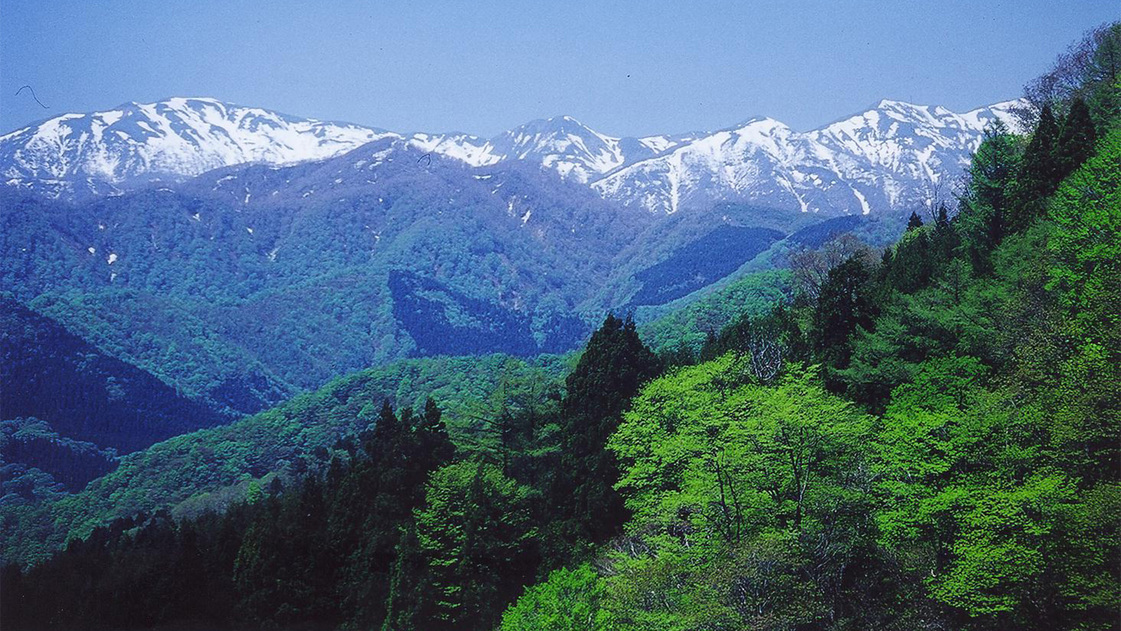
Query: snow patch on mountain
[
  {"x": 893, "y": 156},
  {"x": 103, "y": 152}
]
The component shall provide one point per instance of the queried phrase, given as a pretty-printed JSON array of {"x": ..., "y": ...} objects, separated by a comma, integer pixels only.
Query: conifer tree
[
  {"x": 986, "y": 204},
  {"x": 914, "y": 221},
  {"x": 1076, "y": 139},
  {"x": 944, "y": 239},
  {"x": 843, "y": 306},
  {"x": 1039, "y": 172},
  {"x": 614, "y": 366}
]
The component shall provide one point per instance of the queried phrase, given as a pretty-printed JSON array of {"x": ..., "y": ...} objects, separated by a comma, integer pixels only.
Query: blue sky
[{"x": 623, "y": 68}]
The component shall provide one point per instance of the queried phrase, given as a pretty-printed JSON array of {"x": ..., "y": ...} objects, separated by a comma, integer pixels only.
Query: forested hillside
[
  {"x": 50, "y": 373},
  {"x": 923, "y": 436}
]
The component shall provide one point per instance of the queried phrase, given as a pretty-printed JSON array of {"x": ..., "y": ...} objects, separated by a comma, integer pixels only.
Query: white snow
[
  {"x": 893, "y": 151},
  {"x": 896, "y": 151}
]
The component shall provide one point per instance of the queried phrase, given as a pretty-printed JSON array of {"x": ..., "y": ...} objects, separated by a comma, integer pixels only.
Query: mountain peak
[{"x": 79, "y": 155}]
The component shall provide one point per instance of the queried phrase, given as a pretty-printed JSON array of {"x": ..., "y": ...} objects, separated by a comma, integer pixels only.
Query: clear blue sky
[{"x": 623, "y": 68}]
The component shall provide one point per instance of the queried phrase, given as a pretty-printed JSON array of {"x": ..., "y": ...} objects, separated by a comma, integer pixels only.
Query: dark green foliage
[
  {"x": 701, "y": 262},
  {"x": 768, "y": 340},
  {"x": 912, "y": 263},
  {"x": 32, "y": 443},
  {"x": 445, "y": 322},
  {"x": 53, "y": 375},
  {"x": 315, "y": 555},
  {"x": 844, "y": 307},
  {"x": 1076, "y": 138},
  {"x": 914, "y": 221},
  {"x": 683, "y": 331},
  {"x": 210, "y": 469},
  {"x": 1041, "y": 171},
  {"x": 945, "y": 239},
  {"x": 613, "y": 367},
  {"x": 986, "y": 205},
  {"x": 241, "y": 297},
  {"x": 818, "y": 234}
]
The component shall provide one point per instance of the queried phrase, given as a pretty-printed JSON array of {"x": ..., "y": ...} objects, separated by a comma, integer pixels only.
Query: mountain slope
[
  {"x": 77, "y": 155},
  {"x": 55, "y": 376},
  {"x": 289, "y": 268},
  {"x": 209, "y": 468},
  {"x": 891, "y": 157}
]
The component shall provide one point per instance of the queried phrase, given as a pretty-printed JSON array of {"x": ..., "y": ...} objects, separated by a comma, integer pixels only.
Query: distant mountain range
[
  {"x": 240, "y": 255},
  {"x": 887, "y": 158},
  {"x": 175, "y": 265}
]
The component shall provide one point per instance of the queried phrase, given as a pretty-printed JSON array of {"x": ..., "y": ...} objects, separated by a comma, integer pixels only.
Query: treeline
[
  {"x": 923, "y": 439},
  {"x": 398, "y": 533}
]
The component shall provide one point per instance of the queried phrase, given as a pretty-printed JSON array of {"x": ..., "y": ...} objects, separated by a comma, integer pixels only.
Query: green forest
[{"x": 924, "y": 436}]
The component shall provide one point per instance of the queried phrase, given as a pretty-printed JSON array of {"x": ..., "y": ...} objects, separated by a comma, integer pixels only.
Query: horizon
[
  {"x": 592, "y": 126},
  {"x": 493, "y": 66}
]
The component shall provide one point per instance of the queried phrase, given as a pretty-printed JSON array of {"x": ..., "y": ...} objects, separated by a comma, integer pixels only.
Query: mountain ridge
[{"x": 75, "y": 156}]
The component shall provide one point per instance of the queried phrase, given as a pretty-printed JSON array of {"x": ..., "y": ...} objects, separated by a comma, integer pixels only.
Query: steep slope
[
  {"x": 76, "y": 155},
  {"x": 574, "y": 150},
  {"x": 53, "y": 375},
  {"x": 889, "y": 157},
  {"x": 289, "y": 267},
  {"x": 892, "y": 157}
]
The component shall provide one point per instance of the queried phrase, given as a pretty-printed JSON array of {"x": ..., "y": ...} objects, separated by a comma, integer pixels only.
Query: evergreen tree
[
  {"x": 613, "y": 367},
  {"x": 912, "y": 264},
  {"x": 1039, "y": 172},
  {"x": 432, "y": 434},
  {"x": 843, "y": 307},
  {"x": 914, "y": 221},
  {"x": 986, "y": 204},
  {"x": 1076, "y": 140},
  {"x": 944, "y": 240}
]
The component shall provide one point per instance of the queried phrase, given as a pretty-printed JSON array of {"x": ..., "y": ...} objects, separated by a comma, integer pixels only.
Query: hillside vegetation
[{"x": 920, "y": 438}]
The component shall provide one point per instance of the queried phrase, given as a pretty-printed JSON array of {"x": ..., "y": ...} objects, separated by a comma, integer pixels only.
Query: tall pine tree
[
  {"x": 1040, "y": 173},
  {"x": 614, "y": 366},
  {"x": 1076, "y": 140}
]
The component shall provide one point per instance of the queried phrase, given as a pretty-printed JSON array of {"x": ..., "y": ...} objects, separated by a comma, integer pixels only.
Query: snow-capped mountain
[
  {"x": 79, "y": 155},
  {"x": 562, "y": 144},
  {"x": 891, "y": 156},
  {"x": 75, "y": 155}
]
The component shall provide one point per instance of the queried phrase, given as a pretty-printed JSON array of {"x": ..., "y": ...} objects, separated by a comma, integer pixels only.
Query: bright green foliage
[
  {"x": 1087, "y": 207},
  {"x": 475, "y": 532},
  {"x": 569, "y": 600},
  {"x": 726, "y": 479}
]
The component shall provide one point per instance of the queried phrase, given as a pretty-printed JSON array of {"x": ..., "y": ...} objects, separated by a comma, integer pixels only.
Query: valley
[{"x": 269, "y": 372}]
